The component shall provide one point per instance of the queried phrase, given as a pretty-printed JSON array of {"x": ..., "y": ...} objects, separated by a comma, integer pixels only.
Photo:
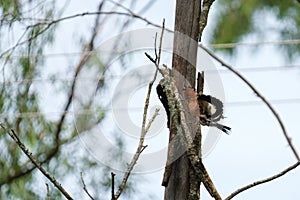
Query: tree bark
[{"x": 182, "y": 183}]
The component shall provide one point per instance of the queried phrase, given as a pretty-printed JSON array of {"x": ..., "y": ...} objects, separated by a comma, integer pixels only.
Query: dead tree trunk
[{"x": 182, "y": 182}]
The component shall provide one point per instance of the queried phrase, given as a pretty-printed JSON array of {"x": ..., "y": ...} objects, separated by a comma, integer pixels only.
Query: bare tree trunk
[{"x": 182, "y": 182}]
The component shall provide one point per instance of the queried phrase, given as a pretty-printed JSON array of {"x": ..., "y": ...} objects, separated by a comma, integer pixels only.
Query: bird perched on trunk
[{"x": 209, "y": 110}]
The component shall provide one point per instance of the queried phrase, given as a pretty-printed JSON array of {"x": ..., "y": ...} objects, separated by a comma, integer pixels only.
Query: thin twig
[
  {"x": 113, "y": 186},
  {"x": 136, "y": 156},
  {"x": 151, "y": 120},
  {"x": 156, "y": 61},
  {"x": 48, "y": 191},
  {"x": 263, "y": 181},
  {"x": 145, "y": 128},
  {"x": 84, "y": 187},
  {"x": 155, "y": 48},
  {"x": 48, "y": 24},
  {"x": 150, "y": 58},
  {"x": 141, "y": 146},
  {"x": 260, "y": 96},
  {"x": 160, "y": 42},
  {"x": 38, "y": 165}
]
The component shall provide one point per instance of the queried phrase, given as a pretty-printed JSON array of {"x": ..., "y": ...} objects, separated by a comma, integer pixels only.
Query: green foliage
[
  {"x": 239, "y": 18},
  {"x": 10, "y": 11},
  {"x": 10, "y": 6},
  {"x": 21, "y": 107},
  {"x": 85, "y": 122},
  {"x": 18, "y": 103}
]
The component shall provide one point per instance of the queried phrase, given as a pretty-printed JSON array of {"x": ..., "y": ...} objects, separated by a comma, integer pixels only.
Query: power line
[
  {"x": 134, "y": 109},
  {"x": 236, "y": 44},
  {"x": 258, "y": 69},
  {"x": 254, "y": 103},
  {"x": 241, "y": 69},
  {"x": 214, "y": 46}
]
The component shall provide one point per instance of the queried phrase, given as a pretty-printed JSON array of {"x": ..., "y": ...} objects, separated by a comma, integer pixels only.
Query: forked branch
[
  {"x": 38, "y": 165},
  {"x": 145, "y": 127}
]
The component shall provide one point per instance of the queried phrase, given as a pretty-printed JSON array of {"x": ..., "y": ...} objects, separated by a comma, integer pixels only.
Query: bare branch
[
  {"x": 38, "y": 165},
  {"x": 145, "y": 128},
  {"x": 113, "y": 186},
  {"x": 155, "y": 47},
  {"x": 19, "y": 43},
  {"x": 48, "y": 24},
  {"x": 156, "y": 61},
  {"x": 263, "y": 181},
  {"x": 84, "y": 187},
  {"x": 160, "y": 42},
  {"x": 150, "y": 58},
  {"x": 136, "y": 156},
  {"x": 48, "y": 191},
  {"x": 203, "y": 16},
  {"x": 287, "y": 137}
]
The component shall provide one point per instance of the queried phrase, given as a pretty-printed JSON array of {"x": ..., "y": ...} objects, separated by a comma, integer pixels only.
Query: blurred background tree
[
  {"x": 28, "y": 33},
  {"x": 262, "y": 20}
]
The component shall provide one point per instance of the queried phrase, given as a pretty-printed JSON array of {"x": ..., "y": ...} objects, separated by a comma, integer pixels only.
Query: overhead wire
[
  {"x": 216, "y": 46},
  {"x": 137, "y": 109},
  {"x": 236, "y": 44},
  {"x": 213, "y": 46},
  {"x": 111, "y": 76}
]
